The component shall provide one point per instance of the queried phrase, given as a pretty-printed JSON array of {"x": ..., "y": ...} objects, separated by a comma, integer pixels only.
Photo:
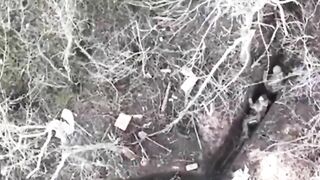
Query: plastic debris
[
  {"x": 189, "y": 83},
  {"x": 67, "y": 115},
  {"x": 241, "y": 174}
]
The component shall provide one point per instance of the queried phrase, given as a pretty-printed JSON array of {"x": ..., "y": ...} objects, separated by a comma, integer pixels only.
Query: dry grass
[{"x": 55, "y": 52}]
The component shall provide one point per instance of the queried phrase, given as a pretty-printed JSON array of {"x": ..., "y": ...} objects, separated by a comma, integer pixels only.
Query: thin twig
[
  {"x": 166, "y": 97},
  {"x": 203, "y": 86},
  {"x": 40, "y": 155}
]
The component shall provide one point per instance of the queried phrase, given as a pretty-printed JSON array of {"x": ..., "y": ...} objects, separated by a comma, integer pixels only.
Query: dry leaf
[
  {"x": 142, "y": 135},
  {"x": 137, "y": 116},
  {"x": 144, "y": 161},
  {"x": 147, "y": 125},
  {"x": 186, "y": 71},
  {"x": 128, "y": 153}
]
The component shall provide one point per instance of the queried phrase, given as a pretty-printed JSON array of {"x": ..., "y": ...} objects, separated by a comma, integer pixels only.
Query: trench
[
  {"x": 218, "y": 165},
  {"x": 220, "y": 162}
]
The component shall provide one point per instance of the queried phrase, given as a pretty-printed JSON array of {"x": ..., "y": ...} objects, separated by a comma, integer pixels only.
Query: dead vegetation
[{"x": 181, "y": 63}]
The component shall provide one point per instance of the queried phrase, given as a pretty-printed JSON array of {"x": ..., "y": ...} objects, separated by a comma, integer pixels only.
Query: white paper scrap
[
  {"x": 123, "y": 121},
  {"x": 191, "y": 167}
]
